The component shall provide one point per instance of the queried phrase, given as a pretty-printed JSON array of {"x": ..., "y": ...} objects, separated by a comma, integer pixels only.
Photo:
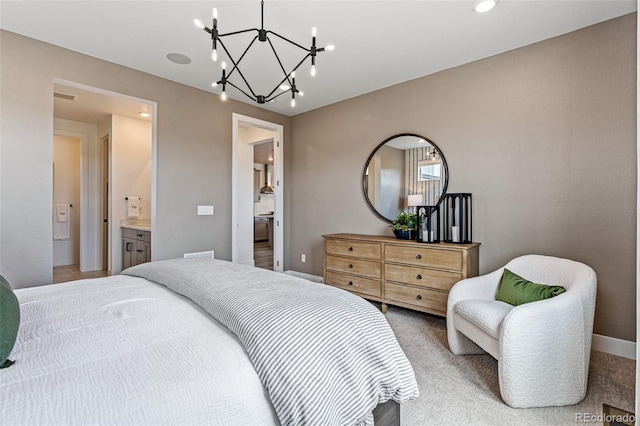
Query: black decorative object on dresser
[
  {"x": 457, "y": 218},
  {"x": 398, "y": 272},
  {"x": 428, "y": 224}
]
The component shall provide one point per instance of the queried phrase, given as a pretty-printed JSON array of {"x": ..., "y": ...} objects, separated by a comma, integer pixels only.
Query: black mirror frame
[{"x": 380, "y": 145}]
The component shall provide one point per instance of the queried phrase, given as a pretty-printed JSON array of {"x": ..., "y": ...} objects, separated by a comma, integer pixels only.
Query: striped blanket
[{"x": 325, "y": 356}]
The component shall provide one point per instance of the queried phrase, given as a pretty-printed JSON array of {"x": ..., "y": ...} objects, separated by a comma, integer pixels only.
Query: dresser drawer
[
  {"x": 354, "y": 248},
  {"x": 364, "y": 286},
  {"x": 441, "y": 280},
  {"x": 424, "y": 256},
  {"x": 431, "y": 300},
  {"x": 367, "y": 268}
]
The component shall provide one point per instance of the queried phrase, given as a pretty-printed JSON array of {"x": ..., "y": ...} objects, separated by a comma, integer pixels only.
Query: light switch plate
[{"x": 205, "y": 210}]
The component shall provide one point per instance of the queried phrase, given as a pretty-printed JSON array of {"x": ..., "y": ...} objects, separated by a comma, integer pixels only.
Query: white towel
[
  {"x": 62, "y": 212},
  {"x": 133, "y": 206},
  {"x": 61, "y": 222}
]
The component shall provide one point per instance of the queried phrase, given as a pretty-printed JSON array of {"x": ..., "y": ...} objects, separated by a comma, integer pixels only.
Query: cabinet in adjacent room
[{"x": 136, "y": 247}]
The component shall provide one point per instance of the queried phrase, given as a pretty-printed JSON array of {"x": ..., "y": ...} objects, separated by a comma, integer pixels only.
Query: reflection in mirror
[
  {"x": 404, "y": 171},
  {"x": 429, "y": 170}
]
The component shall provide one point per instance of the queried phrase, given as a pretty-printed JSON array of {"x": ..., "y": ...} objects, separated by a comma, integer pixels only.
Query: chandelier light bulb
[
  {"x": 215, "y": 13},
  {"x": 482, "y": 6},
  {"x": 293, "y": 103},
  {"x": 198, "y": 24},
  {"x": 214, "y": 84},
  {"x": 313, "y": 71},
  {"x": 330, "y": 47},
  {"x": 301, "y": 93},
  {"x": 214, "y": 55},
  {"x": 284, "y": 87},
  {"x": 224, "y": 96},
  {"x": 224, "y": 65},
  {"x": 293, "y": 74},
  {"x": 314, "y": 31}
]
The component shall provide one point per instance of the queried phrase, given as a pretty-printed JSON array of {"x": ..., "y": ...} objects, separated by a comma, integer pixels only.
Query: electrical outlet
[{"x": 303, "y": 259}]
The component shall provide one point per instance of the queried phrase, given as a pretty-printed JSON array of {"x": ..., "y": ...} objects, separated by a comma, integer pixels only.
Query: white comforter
[
  {"x": 325, "y": 356},
  {"x": 121, "y": 350}
]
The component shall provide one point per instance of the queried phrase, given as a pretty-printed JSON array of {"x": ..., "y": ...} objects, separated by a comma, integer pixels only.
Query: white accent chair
[{"x": 542, "y": 347}]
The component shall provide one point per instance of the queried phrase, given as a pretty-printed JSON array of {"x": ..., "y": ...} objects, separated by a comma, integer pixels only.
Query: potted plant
[{"x": 404, "y": 226}]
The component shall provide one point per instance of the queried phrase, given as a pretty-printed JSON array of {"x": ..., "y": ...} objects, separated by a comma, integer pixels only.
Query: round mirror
[{"x": 404, "y": 171}]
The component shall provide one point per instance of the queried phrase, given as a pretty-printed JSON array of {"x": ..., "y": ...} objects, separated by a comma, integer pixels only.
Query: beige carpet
[{"x": 463, "y": 390}]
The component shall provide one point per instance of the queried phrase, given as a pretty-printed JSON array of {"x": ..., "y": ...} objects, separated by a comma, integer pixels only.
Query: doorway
[
  {"x": 263, "y": 204},
  {"x": 67, "y": 149},
  {"x": 248, "y": 132},
  {"x": 104, "y": 145},
  {"x": 113, "y": 125}
]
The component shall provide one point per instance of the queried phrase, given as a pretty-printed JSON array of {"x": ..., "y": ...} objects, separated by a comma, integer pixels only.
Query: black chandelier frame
[{"x": 262, "y": 36}]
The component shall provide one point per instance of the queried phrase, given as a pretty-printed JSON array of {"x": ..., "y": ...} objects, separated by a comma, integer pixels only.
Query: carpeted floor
[{"x": 463, "y": 390}]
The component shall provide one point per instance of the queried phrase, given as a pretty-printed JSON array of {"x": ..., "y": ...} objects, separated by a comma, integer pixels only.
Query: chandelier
[{"x": 288, "y": 82}]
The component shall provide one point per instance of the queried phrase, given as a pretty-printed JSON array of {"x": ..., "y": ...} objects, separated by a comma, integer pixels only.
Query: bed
[{"x": 195, "y": 341}]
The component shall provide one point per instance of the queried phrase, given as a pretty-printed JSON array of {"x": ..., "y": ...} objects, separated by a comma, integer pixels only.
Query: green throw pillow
[
  {"x": 515, "y": 290},
  {"x": 9, "y": 321}
]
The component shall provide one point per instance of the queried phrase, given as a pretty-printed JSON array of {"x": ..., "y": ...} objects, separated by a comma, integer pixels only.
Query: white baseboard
[
  {"x": 309, "y": 277},
  {"x": 613, "y": 346}
]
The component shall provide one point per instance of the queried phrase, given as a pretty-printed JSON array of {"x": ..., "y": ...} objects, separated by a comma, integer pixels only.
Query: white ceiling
[{"x": 378, "y": 43}]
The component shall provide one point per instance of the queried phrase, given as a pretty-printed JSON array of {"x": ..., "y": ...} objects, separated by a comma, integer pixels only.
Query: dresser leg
[{"x": 384, "y": 308}]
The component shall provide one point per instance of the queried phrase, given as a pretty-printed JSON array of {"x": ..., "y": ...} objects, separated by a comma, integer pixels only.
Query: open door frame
[
  {"x": 87, "y": 133},
  {"x": 278, "y": 149}
]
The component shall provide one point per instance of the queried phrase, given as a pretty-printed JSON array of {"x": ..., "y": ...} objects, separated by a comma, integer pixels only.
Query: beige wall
[
  {"x": 543, "y": 136},
  {"x": 193, "y": 155},
  {"x": 66, "y": 190}
]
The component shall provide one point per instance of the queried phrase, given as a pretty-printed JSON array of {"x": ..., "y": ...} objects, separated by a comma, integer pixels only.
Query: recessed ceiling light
[
  {"x": 179, "y": 58},
  {"x": 144, "y": 114},
  {"x": 482, "y": 6}
]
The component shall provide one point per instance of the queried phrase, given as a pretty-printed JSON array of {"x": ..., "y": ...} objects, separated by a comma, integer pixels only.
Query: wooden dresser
[{"x": 398, "y": 272}]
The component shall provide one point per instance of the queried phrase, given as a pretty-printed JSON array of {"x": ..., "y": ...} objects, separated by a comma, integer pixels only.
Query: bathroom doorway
[
  {"x": 104, "y": 146},
  {"x": 67, "y": 148},
  {"x": 109, "y": 124}
]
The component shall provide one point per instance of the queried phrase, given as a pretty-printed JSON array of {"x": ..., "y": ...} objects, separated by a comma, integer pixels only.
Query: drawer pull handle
[
  {"x": 350, "y": 282},
  {"x": 139, "y": 251},
  {"x": 418, "y": 256},
  {"x": 419, "y": 297},
  {"x": 350, "y": 248},
  {"x": 140, "y": 235},
  {"x": 419, "y": 277},
  {"x": 351, "y": 265}
]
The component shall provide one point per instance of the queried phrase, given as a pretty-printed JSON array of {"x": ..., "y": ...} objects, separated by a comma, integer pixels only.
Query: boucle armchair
[{"x": 543, "y": 347}]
